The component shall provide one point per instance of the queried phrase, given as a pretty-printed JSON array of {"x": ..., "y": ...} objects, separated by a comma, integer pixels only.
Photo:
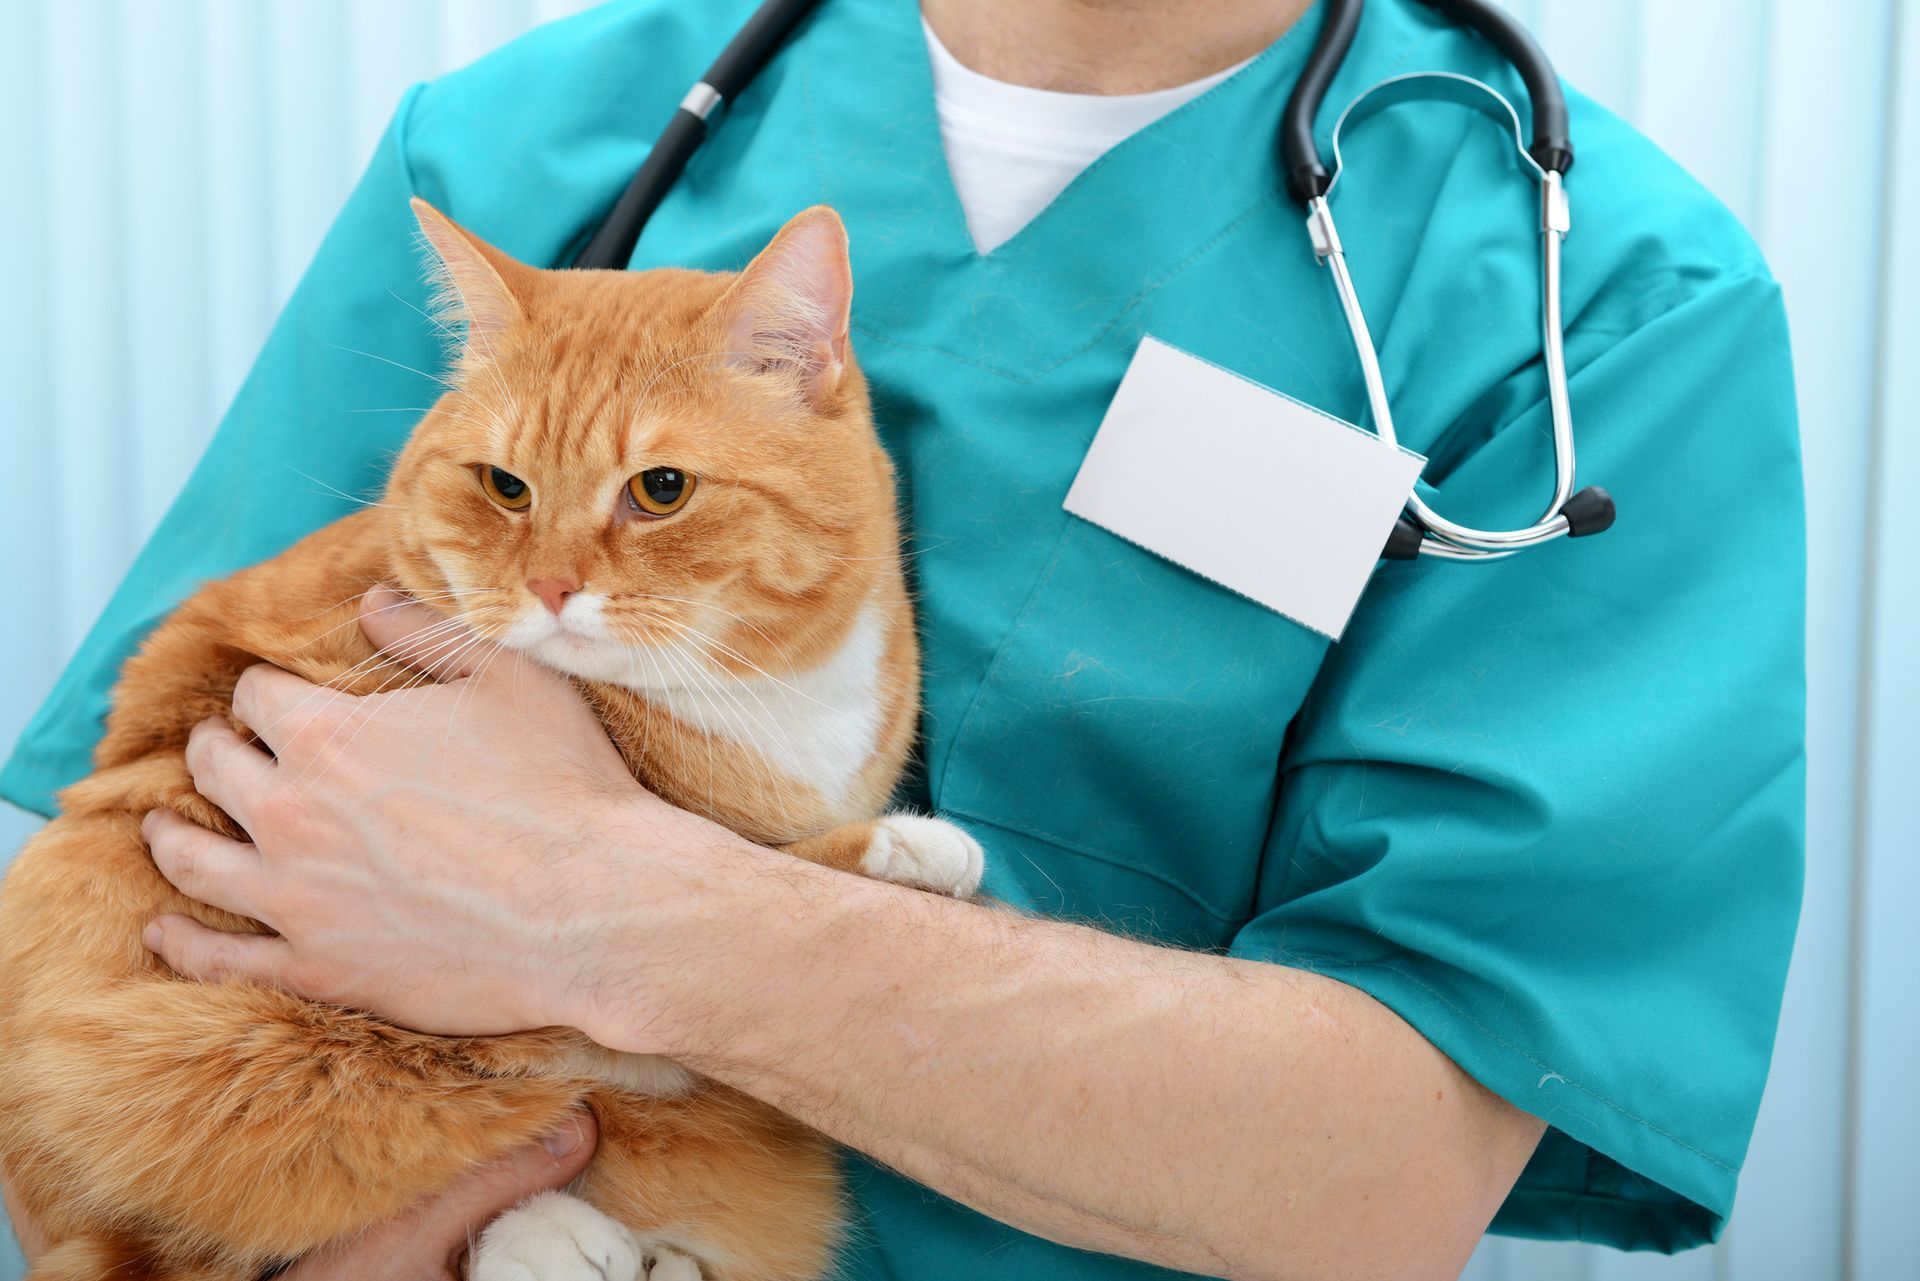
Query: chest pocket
[{"x": 1127, "y": 733}]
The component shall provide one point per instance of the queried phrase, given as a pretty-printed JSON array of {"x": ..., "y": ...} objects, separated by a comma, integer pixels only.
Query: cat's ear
[
  {"x": 788, "y": 312},
  {"x": 472, "y": 279}
]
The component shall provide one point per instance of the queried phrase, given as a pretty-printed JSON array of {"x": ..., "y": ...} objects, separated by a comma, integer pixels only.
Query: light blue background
[{"x": 169, "y": 166}]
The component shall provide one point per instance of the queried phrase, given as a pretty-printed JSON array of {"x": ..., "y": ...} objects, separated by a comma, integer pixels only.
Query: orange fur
[{"x": 168, "y": 1129}]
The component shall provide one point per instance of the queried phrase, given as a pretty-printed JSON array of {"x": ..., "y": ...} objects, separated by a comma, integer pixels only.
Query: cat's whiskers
[
  {"x": 407, "y": 677},
  {"x": 488, "y": 658},
  {"x": 335, "y": 684},
  {"x": 371, "y": 704},
  {"x": 712, "y": 675},
  {"x": 340, "y": 681},
  {"x": 634, "y": 654},
  {"x": 354, "y": 620},
  {"x": 342, "y": 604},
  {"x": 699, "y": 686},
  {"x": 713, "y": 643},
  {"x": 364, "y": 712},
  {"x": 779, "y": 784},
  {"x": 902, "y": 554},
  {"x": 432, "y": 378},
  {"x": 336, "y": 491},
  {"x": 718, "y": 609},
  {"x": 681, "y": 682},
  {"x": 706, "y": 683},
  {"x": 705, "y": 737}
]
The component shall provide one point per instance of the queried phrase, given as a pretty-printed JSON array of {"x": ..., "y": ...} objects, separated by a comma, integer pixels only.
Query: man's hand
[
  {"x": 467, "y": 834},
  {"x": 426, "y": 1243},
  {"x": 472, "y": 857}
]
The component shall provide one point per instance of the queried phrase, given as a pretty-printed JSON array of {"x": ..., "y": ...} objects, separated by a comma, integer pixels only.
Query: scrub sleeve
[{"x": 1560, "y": 834}]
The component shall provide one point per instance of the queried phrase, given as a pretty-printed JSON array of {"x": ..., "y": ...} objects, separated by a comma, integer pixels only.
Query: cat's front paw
[
  {"x": 556, "y": 1237},
  {"x": 671, "y": 1265},
  {"x": 927, "y": 853}
]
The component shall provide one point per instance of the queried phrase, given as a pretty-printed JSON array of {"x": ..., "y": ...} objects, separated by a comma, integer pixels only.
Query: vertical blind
[{"x": 170, "y": 166}]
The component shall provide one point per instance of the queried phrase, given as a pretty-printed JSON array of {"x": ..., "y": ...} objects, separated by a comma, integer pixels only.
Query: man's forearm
[{"x": 1207, "y": 1114}]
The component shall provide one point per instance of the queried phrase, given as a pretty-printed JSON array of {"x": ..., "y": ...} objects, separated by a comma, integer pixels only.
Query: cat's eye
[
  {"x": 660, "y": 491},
  {"x": 505, "y": 488}
]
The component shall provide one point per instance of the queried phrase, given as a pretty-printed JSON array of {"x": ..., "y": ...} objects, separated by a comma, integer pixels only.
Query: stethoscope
[{"x": 1420, "y": 530}]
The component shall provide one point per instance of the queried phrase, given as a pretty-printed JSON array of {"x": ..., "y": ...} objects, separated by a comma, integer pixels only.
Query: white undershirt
[{"x": 1012, "y": 149}]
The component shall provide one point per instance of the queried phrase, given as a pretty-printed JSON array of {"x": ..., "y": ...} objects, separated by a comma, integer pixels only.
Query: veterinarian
[{"x": 1330, "y": 954}]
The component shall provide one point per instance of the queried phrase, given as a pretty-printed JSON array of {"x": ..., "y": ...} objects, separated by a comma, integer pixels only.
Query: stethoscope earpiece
[
  {"x": 1589, "y": 512},
  {"x": 1404, "y": 542}
]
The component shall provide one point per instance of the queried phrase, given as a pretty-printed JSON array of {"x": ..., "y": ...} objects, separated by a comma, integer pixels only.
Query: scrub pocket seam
[
  {"x": 993, "y": 681},
  {"x": 1234, "y": 919},
  {"x": 999, "y": 654}
]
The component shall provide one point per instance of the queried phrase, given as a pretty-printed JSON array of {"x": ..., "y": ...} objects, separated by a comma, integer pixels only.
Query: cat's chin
[
  {"x": 578, "y": 644},
  {"x": 606, "y": 662}
]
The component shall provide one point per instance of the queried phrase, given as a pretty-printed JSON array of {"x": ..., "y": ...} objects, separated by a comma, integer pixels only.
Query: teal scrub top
[{"x": 1548, "y": 810}]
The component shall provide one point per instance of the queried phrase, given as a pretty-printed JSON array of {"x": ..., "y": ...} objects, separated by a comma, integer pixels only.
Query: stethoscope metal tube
[
  {"x": 1462, "y": 541},
  {"x": 1423, "y": 531}
]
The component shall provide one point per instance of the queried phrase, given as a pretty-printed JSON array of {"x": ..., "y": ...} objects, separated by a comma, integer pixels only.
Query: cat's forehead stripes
[
  {"x": 600, "y": 356},
  {"x": 610, "y": 424}
]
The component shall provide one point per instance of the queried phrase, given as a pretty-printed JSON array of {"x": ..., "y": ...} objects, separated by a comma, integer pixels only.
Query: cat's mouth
[
  {"x": 586, "y": 646},
  {"x": 575, "y": 631},
  {"x": 548, "y": 635},
  {"x": 572, "y": 641}
]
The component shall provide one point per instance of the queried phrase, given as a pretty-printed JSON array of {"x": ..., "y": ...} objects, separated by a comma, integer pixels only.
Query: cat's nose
[{"x": 553, "y": 592}]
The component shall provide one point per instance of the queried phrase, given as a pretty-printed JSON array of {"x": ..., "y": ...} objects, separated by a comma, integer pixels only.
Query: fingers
[
  {"x": 428, "y": 1240},
  {"x": 469, "y": 1205},
  {"x": 204, "y": 865},
  {"x": 419, "y": 637},
  {"x": 279, "y": 708},
  {"x": 227, "y": 770},
  {"x": 196, "y": 952}
]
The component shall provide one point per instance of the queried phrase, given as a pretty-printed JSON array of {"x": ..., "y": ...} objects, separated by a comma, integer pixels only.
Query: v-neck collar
[{"x": 1135, "y": 217}]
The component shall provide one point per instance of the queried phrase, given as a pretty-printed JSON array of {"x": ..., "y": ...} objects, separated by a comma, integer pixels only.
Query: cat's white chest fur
[{"x": 818, "y": 727}]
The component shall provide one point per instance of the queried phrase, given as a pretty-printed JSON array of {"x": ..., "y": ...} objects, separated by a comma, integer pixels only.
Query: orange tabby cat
[{"x": 665, "y": 484}]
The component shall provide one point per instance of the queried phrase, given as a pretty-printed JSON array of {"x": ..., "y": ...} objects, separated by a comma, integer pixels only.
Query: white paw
[
  {"x": 556, "y": 1237},
  {"x": 928, "y": 853},
  {"x": 671, "y": 1265}
]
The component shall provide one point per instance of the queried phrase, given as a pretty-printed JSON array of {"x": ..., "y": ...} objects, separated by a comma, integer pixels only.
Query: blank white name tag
[{"x": 1253, "y": 489}]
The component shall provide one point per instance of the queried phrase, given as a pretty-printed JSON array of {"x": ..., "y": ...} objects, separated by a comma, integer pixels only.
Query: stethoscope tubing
[
  {"x": 746, "y": 55},
  {"x": 1422, "y": 531}
]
